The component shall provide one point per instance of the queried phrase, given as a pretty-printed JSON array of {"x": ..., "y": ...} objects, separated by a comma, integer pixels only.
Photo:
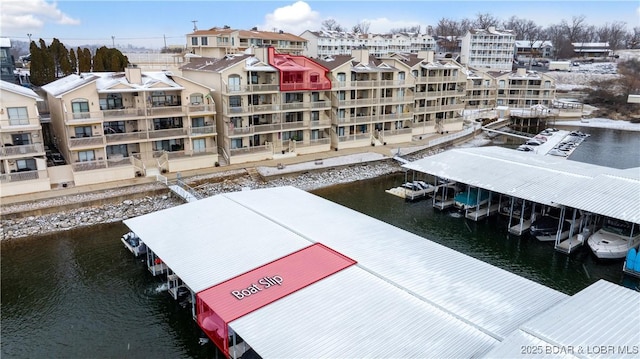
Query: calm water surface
[{"x": 80, "y": 294}]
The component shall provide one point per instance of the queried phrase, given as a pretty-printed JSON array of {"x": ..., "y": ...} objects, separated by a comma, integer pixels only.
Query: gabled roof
[
  {"x": 210, "y": 64},
  {"x": 69, "y": 83},
  {"x": 335, "y": 61},
  {"x": 20, "y": 90}
]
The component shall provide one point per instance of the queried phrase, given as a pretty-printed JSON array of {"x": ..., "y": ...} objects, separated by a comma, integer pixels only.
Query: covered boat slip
[
  {"x": 541, "y": 180},
  {"x": 405, "y": 297},
  {"x": 489, "y": 298},
  {"x": 567, "y": 329}
]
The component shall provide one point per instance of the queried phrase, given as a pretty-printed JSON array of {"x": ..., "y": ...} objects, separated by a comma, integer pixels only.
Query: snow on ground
[{"x": 602, "y": 123}]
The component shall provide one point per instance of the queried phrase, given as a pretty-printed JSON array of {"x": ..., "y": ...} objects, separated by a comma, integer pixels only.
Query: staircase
[{"x": 253, "y": 173}]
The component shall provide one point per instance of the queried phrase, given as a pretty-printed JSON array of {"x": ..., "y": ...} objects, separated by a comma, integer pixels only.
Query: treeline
[
  {"x": 51, "y": 62},
  {"x": 561, "y": 35}
]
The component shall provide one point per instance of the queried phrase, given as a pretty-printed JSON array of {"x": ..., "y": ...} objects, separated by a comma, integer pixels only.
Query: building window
[
  {"x": 315, "y": 116},
  {"x": 194, "y": 41},
  {"x": 168, "y": 145},
  {"x": 234, "y": 83},
  {"x": 117, "y": 150},
  {"x": 26, "y": 165},
  {"x": 167, "y": 123},
  {"x": 199, "y": 145},
  {"x": 18, "y": 115},
  {"x": 197, "y": 122},
  {"x": 85, "y": 156},
  {"x": 196, "y": 99},
  {"x": 236, "y": 143},
  {"x": 20, "y": 139},
  {"x": 114, "y": 127},
  {"x": 80, "y": 109},
  {"x": 204, "y": 41},
  {"x": 82, "y": 131},
  {"x": 314, "y": 77},
  {"x": 342, "y": 77}
]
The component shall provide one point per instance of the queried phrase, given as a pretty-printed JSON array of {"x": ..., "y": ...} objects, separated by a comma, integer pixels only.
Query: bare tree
[
  {"x": 408, "y": 29},
  {"x": 331, "y": 25},
  {"x": 483, "y": 21},
  {"x": 576, "y": 30},
  {"x": 449, "y": 27},
  {"x": 613, "y": 33},
  {"x": 361, "y": 28},
  {"x": 558, "y": 37},
  {"x": 632, "y": 39}
]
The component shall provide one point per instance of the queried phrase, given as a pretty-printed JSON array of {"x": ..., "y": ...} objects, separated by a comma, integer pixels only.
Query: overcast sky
[{"x": 154, "y": 23}]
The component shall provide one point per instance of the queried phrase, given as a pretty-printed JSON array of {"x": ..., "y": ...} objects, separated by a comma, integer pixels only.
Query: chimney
[
  {"x": 360, "y": 55},
  {"x": 521, "y": 71},
  {"x": 426, "y": 55},
  {"x": 133, "y": 74}
]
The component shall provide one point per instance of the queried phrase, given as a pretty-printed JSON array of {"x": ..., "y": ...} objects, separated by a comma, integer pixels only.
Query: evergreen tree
[
  {"x": 37, "y": 65},
  {"x": 99, "y": 60},
  {"x": 84, "y": 60},
  {"x": 73, "y": 61},
  {"x": 48, "y": 64}
]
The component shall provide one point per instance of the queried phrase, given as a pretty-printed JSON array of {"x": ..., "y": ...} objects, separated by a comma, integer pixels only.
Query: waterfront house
[
  {"x": 269, "y": 104},
  {"x": 23, "y": 165},
  {"x": 523, "y": 89},
  {"x": 117, "y": 125}
]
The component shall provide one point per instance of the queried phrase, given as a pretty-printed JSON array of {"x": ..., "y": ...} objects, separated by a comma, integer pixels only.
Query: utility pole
[
  {"x": 195, "y": 27},
  {"x": 113, "y": 41},
  {"x": 29, "y": 38}
]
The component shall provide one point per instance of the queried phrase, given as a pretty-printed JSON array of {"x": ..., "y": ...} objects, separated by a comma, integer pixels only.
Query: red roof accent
[
  {"x": 299, "y": 73},
  {"x": 240, "y": 295}
]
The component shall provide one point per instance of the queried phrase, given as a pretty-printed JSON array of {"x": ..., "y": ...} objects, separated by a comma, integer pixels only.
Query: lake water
[{"x": 80, "y": 293}]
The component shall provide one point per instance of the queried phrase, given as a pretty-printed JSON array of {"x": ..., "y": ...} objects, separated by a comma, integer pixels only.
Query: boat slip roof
[
  {"x": 542, "y": 179},
  {"x": 406, "y": 296},
  {"x": 567, "y": 329}
]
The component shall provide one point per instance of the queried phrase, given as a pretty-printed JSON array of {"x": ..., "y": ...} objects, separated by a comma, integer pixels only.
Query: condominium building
[
  {"x": 523, "y": 89},
  {"x": 591, "y": 49},
  {"x": 488, "y": 49},
  {"x": 526, "y": 49},
  {"x": 23, "y": 166},
  {"x": 481, "y": 90},
  {"x": 112, "y": 126},
  {"x": 218, "y": 42},
  {"x": 331, "y": 43},
  {"x": 269, "y": 104}
]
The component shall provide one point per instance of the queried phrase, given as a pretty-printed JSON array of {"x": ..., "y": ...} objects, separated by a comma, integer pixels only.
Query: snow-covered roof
[
  {"x": 68, "y": 83},
  {"x": 541, "y": 179},
  {"x": 536, "y": 44},
  {"x": 20, "y": 90}
]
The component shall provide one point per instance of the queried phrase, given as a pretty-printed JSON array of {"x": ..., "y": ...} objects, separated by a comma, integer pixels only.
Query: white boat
[
  {"x": 133, "y": 243},
  {"x": 614, "y": 239},
  {"x": 471, "y": 199}
]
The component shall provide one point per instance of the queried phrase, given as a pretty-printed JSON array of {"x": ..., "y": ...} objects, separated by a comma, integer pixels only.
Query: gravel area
[{"x": 206, "y": 186}]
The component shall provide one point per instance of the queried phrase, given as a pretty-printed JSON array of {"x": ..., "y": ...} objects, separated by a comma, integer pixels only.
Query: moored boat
[
  {"x": 471, "y": 198},
  {"x": 133, "y": 243},
  {"x": 614, "y": 239}
]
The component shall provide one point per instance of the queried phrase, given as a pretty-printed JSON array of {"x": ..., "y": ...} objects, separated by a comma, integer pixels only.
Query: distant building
[
  {"x": 525, "y": 49},
  {"x": 591, "y": 49},
  {"x": 330, "y": 43},
  {"x": 218, "y": 42},
  {"x": 7, "y": 66},
  {"x": 480, "y": 91},
  {"x": 23, "y": 165},
  {"x": 488, "y": 49}
]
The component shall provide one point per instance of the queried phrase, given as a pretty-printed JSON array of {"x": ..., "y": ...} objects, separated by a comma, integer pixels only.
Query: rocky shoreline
[{"x": 208, "y": 185}]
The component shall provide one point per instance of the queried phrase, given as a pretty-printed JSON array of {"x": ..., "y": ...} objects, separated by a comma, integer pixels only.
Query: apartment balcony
[
  {"x": 355, "y": 84},
  {"x": 126, "y": 137},
  {"x": 165, "y": 111},
  {"x": 357, "y": 102},
  {"x": 82, "y": 142},
  {"x": 321, "y": 105},
  {"x": 101, "y": 164},
  {"x": 267, "y": 148},
  {"x": 202, "y": 131},
  {"x": 253, "y": 88},
  {"x": 167, "y": 133},
  {"x": 319, "y": 124},
  {"x": 396, "y": 99},
  {"x": 204, "y": 109},
  {"x": 393, "y": 83},
  {"x": 124, "y": 114},
  {"x": 26, "y": 124},
  {"x": 174, "y": 155},
  {"x": 21, "y": 150},
  {"x": 83, "y": 118},
  {"x": 355, "y": 137},
  {"x": 313, "y": 143},
  {"x": 303, "y": 86},
  {"x": 434, "y": 79},
  {"x": 295, "y": 106},
  {"x": 23, "y": 176},
  {"x": 439, "y": 108}
]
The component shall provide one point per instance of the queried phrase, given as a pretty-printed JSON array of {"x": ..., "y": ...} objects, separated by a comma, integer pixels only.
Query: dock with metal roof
[
  {"x": 539, "y": 179},
  {"x": 405, "y": 296}
]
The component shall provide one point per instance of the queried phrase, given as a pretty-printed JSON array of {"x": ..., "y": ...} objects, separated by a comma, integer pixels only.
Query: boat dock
[
  {"x": 537, "y": 179},
  {"x": 295, "y": 274}
]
